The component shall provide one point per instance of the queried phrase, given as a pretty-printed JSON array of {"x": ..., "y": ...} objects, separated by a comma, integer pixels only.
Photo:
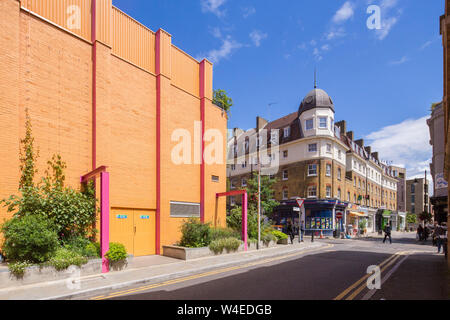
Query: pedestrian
[
  {"x": 387, "y": 233},
  {"x": 420, "y": 232},
  {"x": 302, "y": 230},
  {"x": 290, "y": 231},
  {"x": 439, "y": 234}
]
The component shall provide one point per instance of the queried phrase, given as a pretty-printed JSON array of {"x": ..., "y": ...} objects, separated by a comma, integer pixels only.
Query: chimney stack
[
  {"x": 342, "y": 125},
  {"x": 260, "y": 123},
  {"x": 360, "y": 143},
  {"x": 350, "y": 135}
]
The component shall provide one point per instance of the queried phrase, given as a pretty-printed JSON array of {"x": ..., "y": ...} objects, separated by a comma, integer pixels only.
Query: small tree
[
  {"x": 267, "y": 195},
  {"x": 426, "y": 217},
  {"x": 28, "y": 156},
  {"x": 221, "y": 99}
]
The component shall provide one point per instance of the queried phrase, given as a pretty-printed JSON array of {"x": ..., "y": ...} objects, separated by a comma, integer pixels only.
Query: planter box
[
  {"x": 38, "y": 274},
  {"x": 195, "y": 253},
  {"x": 283, "y": 242}
]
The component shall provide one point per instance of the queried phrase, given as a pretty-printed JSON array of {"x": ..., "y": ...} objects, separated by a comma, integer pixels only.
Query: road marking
[
  {"x": 202, "y": 275},
  {"x": 357, "y": 283},
  {"x": 390, "y": 273},
  {"x": 364, "y": 285}
]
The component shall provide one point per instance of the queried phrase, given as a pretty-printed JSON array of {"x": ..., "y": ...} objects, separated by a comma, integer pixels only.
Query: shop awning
[
  {"x": 387, "y": 213},
  {"x": 356, "y": 214}
]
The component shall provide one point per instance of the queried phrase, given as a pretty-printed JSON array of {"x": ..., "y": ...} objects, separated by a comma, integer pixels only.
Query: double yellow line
[
  {"x": 362, "y": 283},
  {"x": 202, "y": 275}
]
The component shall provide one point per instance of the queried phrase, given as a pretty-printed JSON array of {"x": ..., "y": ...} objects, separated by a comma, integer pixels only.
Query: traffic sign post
[{"x": 300, "y": 203}]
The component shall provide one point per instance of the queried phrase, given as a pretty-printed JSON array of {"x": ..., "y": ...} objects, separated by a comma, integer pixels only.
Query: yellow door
[
  {"x": 144, "y": 237},
  {"x": 122, "y": 228}
]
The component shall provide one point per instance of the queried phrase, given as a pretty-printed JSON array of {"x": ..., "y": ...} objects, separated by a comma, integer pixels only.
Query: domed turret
[{"x": 316, "y": 98}]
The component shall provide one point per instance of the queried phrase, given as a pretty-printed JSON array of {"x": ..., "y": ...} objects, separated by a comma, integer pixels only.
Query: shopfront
[{"x": 324, "y": 217}]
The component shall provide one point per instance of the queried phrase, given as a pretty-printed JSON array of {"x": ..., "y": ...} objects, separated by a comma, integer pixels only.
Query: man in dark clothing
[
  {"x": 420, "y": 232},
  {"x": 290, "y": 231},
  {"x": 387, "y": 233}
]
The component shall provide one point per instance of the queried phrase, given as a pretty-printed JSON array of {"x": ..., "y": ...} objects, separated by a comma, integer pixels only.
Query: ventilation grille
[{"x": 184, "y": 210}]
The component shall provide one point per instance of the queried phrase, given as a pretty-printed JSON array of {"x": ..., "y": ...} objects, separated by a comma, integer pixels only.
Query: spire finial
[{"x": 315, "y": 78}]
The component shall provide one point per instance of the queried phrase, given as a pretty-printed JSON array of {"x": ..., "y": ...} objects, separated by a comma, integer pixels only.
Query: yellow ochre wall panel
[
  {"x": 185, "y": 71},
  {"x": 132, "y": 41},
  {"x": 61, "y": 13},
  {"x": 129, "y": 134},
  {"x": 55, "y": 85}
]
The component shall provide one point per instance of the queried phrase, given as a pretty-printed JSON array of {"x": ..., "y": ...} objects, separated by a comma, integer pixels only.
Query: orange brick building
[{"x": 104, "y": 90}]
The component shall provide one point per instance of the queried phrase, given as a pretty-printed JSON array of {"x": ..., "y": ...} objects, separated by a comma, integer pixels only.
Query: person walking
[
  {"x": 290, "y": 231},
  {"x": 420, "y": 232},
  {"x": 439, "y": 234},
  {"x": 302, "y": 230},
  {"x": 387, "y": 233}
]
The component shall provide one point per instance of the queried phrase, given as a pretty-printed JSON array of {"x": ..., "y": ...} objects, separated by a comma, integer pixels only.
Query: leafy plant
[
  {"x": 223, "y": 233},
  {"x": 30, "y": 238},
  {"x": 64, "y": 258},
  {"x": 234, "y": 221},
  {"x": 18, "y": 268},
  {"x": 228, "y": 244},
  {"x": 279, "y": 235},
  {"x": 221, "y": 99},
  {"x": 116, "y": 252},
  {"x": 28, "y": 156},
  {"x": 411, "y": 218},
  {"x": 82, "y": 246},
  {"x": 72, "y": 212},
  {"x": 195, "y": 234},
  {"x": 266, "y": 238}
]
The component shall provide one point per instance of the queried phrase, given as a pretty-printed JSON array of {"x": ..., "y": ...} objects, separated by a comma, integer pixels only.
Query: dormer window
[
  {"x": 287, "y": 132},
  {"x": 309, "y": 124}
]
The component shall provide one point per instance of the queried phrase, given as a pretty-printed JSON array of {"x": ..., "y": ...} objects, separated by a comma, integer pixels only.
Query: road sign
[{"x": 300, "y": 202}]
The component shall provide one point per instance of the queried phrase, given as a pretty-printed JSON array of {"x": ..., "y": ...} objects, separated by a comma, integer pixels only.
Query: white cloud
[
  {"x": 229, "y": 46},
  {"x": 213, "y": 6},
  {"x": 406, "y": 144},
  {"x": 344, "y": 13},
  {"x": 388, "y": 20},
  {"x": 426, "y": 44},
  {"x": 247, "y": 12},
  {"x": 257, "y": 36},
  {"x": 403, "y": 60},
  {"x": 335, "y": 33},
  {"x": 386, "y": 26}
]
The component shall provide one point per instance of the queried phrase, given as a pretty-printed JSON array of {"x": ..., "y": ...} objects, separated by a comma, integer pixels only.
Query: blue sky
[{"x": 382, "y": 81}]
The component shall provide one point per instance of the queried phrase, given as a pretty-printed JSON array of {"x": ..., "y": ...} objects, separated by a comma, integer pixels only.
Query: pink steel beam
[
  {"x": 244, "y": 212},
  {"x": 104, "y": 219},
  {"x": 104, "y": 211}
]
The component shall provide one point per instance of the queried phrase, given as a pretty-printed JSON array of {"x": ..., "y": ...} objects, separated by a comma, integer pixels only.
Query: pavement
[{"x": 150, "y": 270}]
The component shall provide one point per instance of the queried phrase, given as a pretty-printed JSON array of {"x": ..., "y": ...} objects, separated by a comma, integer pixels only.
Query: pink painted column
[
  {"x": 244, "y": 221},
  {"x": 104, "y": 220}
]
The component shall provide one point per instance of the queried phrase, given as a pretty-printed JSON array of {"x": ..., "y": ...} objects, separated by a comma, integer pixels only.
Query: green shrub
[
  {"x": 229, "y": 244},
  {"x": 280, "y": 235},
  {"x": 223, "y": 233},
  {"x": 18, "y": 268},
  {"x": 268, "y": 237},
  {"x": 64, "y": 258},
  {"x": 91, "y": 251},
  {"x": 116, "y": 252},
  {"x": 83, "y": 247},
  {"x": 195, "y": 234},
  {"x": 30, "y": 238},
  {"x": 232, "y": 244},
  {"x": 234, "y": 221}
]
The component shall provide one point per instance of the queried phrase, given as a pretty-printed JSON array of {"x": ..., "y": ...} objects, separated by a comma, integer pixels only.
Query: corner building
[
  {"x": 317, "y": 159},
  {"x": 105, "y": 90}
]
